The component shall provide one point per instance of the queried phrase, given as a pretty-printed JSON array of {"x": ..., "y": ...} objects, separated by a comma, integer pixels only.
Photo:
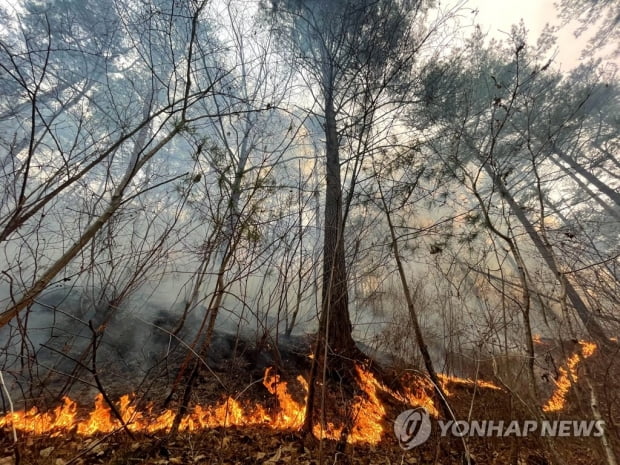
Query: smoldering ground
[{"x": 58, "y": 346}]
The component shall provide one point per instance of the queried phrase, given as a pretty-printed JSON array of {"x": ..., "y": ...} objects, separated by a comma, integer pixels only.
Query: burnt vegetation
[{"x": 261, "y": 232}]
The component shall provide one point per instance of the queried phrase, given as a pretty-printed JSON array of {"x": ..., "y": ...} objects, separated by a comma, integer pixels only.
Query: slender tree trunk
[
  {"x": 585, "y": 315},
  {"x": 413, "y": 315},
  {"x": 117, "y": 197},
  {"x": 606, "y": 444},
  {"x": 613, "y": 194},
  {"x": 526, "y": 300},
  {"x": 609, "y": 209}
]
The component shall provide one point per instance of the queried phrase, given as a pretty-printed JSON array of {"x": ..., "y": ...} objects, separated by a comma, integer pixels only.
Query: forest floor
[{"x": 264, "y": 445}]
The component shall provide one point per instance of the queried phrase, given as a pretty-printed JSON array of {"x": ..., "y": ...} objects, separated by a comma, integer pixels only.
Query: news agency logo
[{"x": 413, "y": 427}]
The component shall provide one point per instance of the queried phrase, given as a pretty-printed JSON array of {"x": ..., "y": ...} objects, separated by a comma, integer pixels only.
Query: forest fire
[
  {"x": 568, "y": 376},
  {"x": 368, "y": 412},
  {"x": 446, "y": 380}
]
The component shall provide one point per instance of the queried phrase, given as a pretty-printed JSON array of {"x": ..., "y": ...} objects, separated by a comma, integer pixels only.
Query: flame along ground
[
  {"x": 568, "y": 376},
  {"x": 368, "y": 412}
]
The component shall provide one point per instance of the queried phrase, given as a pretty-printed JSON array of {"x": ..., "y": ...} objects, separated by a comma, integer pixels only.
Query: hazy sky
[{"x": 496, "y": 16}]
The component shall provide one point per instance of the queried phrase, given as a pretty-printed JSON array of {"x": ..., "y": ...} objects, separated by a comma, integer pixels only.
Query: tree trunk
[
  {"x": 335, "y": 323},
  {"x": 28, "y": 296},
  {"x": 525, "y": 304},
  {"x": 334, "y": 339},
  {"x": 610, "y": 192},
  {"x": 609, "y": 209},
  {"x": 588, "y": 319}
]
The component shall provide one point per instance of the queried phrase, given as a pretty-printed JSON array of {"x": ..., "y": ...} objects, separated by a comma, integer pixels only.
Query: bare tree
[
  {"x": 492, "y": 142},
  {"x": 166, "y": 102},
  {"x": 349, "y": 62}
]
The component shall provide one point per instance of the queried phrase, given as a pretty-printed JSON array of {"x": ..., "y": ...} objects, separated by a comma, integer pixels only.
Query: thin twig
[
  {"x": 102, "y": 390},
  {"x": 15, "y": 440}
]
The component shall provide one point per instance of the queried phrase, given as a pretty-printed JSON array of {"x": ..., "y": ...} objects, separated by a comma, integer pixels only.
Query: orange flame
[
  {"x": 368, "y": 412},
  {"x": 446, "y": 380},
  {"x": 568, "y": 376},
  {"x": 291, "y": 415}
]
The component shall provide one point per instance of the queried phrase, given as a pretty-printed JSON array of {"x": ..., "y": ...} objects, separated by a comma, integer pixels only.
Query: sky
[{"x": 496, "y": 17}]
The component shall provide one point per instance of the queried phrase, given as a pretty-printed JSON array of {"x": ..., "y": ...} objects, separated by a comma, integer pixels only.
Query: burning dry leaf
[{"x": 369, "y": 427}]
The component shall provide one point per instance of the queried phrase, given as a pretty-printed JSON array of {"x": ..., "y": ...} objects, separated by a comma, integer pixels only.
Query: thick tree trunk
[
  {"x": 335, "y": 323},
  {"x": 335, "y": 347}
]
